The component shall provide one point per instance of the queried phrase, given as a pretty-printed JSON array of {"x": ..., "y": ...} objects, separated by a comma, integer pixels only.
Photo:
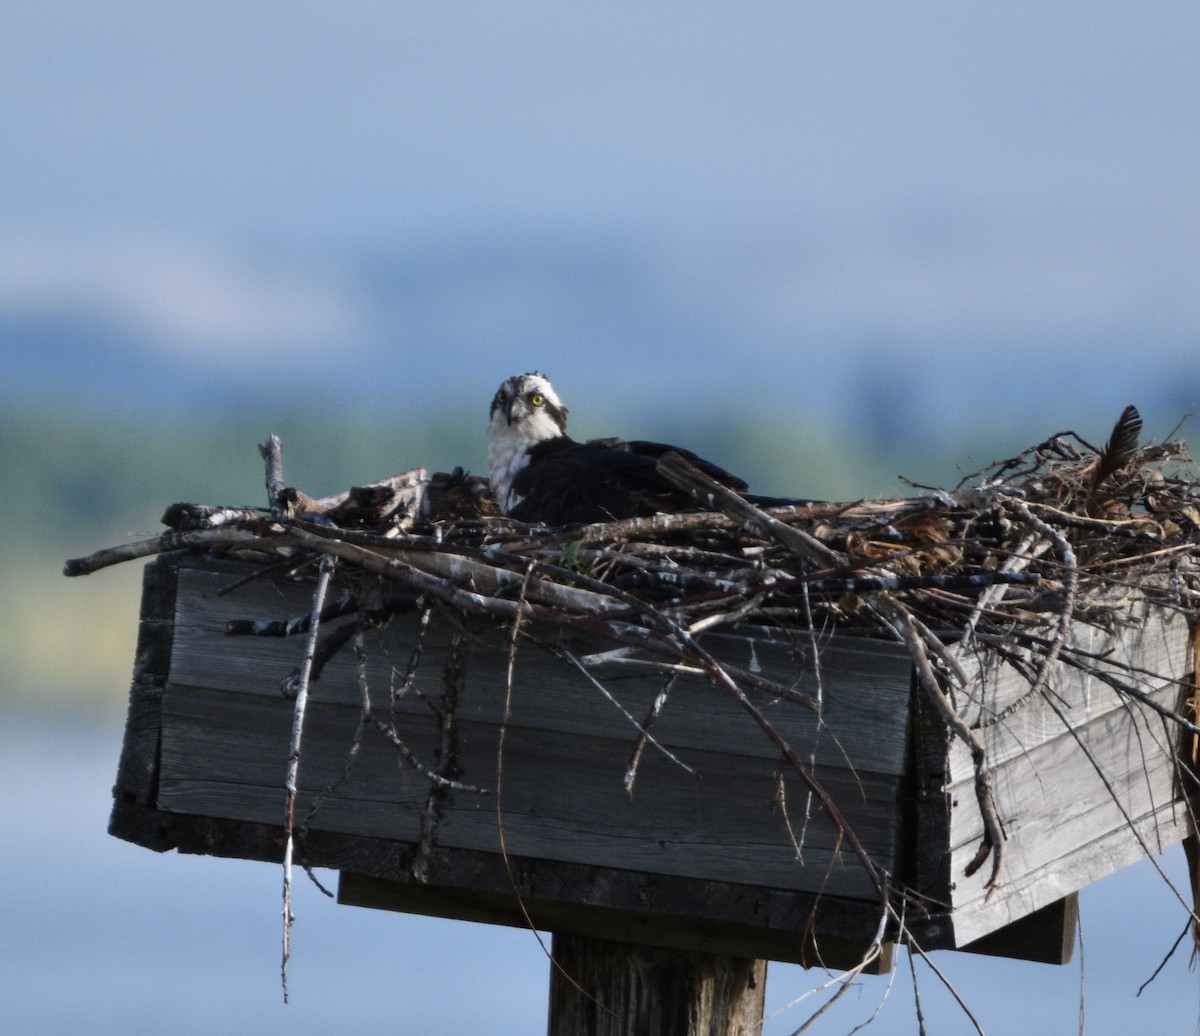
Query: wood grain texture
[
  {"x": 565, "y": 753},
  {"x": 1084, "y": 776},
  {"x": 863, "y": 682},
  {"x": 137, "y": 772},
  {"x": 600, "y": 987}
]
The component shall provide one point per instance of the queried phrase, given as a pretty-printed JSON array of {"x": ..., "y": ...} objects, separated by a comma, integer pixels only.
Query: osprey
[{"x": 538, "y": 473}]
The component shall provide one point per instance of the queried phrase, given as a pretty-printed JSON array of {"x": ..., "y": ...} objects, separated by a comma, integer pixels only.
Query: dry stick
[
  {"x": 912, "y": 969},
  {"x": 1139, "y": 695},
  {"x": 200, "y": 516},
  {"x": 642, "y": 728},
  {"x": 1082, "y": 970},
  {"x": 911, "y": 631},
  {"x": 993, "y": 841},
  {"x": 272, "y": 453},
  {"x": 655, "y": 525},
  {"x": 1161, "y": 964},
  {"x": 364, "y": 693},
  {"x": 486, "y": 569},
  {"x": 679, "y": 471},
  {"x": 688, "y": 477},
  {"x": 168, "y": 541},
  {"x": 360, "y": 658},
  {"x": 877, "y": 874},
  {"x": 446, "y": 712},
  {"x": 509, "y": 674},
  {"x": 656, "y": 707},
  {"x": 691, "y": 649},
  {"x": 913, "y": 945},
  {"x": 360, "y": 672},
  {"x": 844, "y": 979},
  {"x": 1112, "y": 794},
  {"x": 1019, "y": 558},
  {"x": 310, "y": 649},
  {"x": 435, "y": 779},
  {"x": 482, "y": 604},
  {"x": 1077, "y": 658},
  {"x": 404, "y": 480},
  {"x": 388, "y": 729},
  {"x": 414, "y": 659},
  {"x": 820, "y": 683},
  {"x": 1063, "y": 627}
]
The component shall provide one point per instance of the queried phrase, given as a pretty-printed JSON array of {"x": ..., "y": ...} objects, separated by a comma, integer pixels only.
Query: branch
[
  {"x": 227, "y": 538},
  {"x": 293, "y": 768},
  {"x": 272, "y": 453},
  {"x": 709, "y": 491}
]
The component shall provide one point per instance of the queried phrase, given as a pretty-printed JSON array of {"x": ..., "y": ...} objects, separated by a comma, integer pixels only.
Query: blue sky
[
  {"x": 294, "y": 120},
  {"x": 801, "y": 196}
]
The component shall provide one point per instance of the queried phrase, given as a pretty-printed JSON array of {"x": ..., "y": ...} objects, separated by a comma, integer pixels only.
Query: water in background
[{"x": 100, "y": 936}]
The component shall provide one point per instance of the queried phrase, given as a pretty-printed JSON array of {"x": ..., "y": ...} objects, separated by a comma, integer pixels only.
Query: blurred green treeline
[{"x": 79, "y": 478}]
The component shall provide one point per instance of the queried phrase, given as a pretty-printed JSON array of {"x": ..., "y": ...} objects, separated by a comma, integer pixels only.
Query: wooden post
[{"x": 603, "y": 988}]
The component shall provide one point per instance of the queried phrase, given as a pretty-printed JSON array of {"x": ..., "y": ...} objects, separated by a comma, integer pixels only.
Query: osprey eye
[{"x": 537, "y": 399}]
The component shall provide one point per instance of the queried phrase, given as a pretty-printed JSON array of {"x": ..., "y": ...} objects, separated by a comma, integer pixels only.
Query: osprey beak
[{"x": 509, "y": 404}]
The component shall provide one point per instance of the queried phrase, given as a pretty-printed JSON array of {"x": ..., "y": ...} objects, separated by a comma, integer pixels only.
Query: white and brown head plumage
[
  {"x": 538, "y": 473},
  {"x": 525, "y": 411}
]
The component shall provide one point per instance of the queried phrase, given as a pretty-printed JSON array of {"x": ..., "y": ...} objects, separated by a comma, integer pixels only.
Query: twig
[
  {"x": 1062, "y": 628},
  {"x": 962, "y": 1004},
  {"x": 325, "y": 573},
  {"x": 687, "y": 476},
  {"x": 208, "y": 539},
  {"x": 272, "y": 453},
  {"x": 993, "y": 841},
  {"x": 509, "y": 674},
  {"x": 642, "y": 728},
  {"x": 656, "y": 707},
  {"x": 453, "y": 677}
]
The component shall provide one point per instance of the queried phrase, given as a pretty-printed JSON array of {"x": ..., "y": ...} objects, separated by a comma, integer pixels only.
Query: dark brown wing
[
  {"x": 1117, "y": 452},
  {"x": 602, "y": 480}
]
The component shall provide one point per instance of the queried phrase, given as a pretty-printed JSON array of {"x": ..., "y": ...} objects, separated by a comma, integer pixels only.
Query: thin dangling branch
[{"x": 325, "y": 574}]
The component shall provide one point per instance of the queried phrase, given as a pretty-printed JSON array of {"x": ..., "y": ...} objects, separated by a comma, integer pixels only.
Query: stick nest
[{"x": 1063, "y": 532}]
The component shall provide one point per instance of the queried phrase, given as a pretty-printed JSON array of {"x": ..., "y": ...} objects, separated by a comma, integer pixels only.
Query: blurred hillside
[
  {"x": 898, "y": 322},
  {"x": 86, "y": 478}
]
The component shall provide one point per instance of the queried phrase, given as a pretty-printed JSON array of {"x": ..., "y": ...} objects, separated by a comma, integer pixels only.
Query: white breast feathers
[{"x": 508, "y": 454}]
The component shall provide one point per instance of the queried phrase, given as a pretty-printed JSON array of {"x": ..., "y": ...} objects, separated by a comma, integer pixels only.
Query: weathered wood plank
[
  {"x": 730, "y": 919},
  {"x": 658, "y": 910},
  {"x": 1047, "y": 935},
  {"x": 1067, "y": 816},
  {"x": 137, "y": 772},
  {"x": 1072, "y": 870},
  {"x": 864, "y": 683},
  {"x": 1155, "y": 646},
  {"x": 723, "y": 821},
  {"x": 224, "y": 755}
]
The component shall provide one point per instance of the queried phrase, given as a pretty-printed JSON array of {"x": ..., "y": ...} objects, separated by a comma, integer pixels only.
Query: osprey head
[
  {"x": 527, "y": 406},
  {"x": 525, "y": 411}
]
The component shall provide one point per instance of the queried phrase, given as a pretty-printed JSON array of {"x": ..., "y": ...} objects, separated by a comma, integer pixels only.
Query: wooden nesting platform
[{"x": 730, "y": 855}]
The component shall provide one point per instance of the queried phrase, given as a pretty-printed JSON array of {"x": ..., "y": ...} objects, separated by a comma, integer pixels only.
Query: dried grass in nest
[{"x": 1065, "y": 532}]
